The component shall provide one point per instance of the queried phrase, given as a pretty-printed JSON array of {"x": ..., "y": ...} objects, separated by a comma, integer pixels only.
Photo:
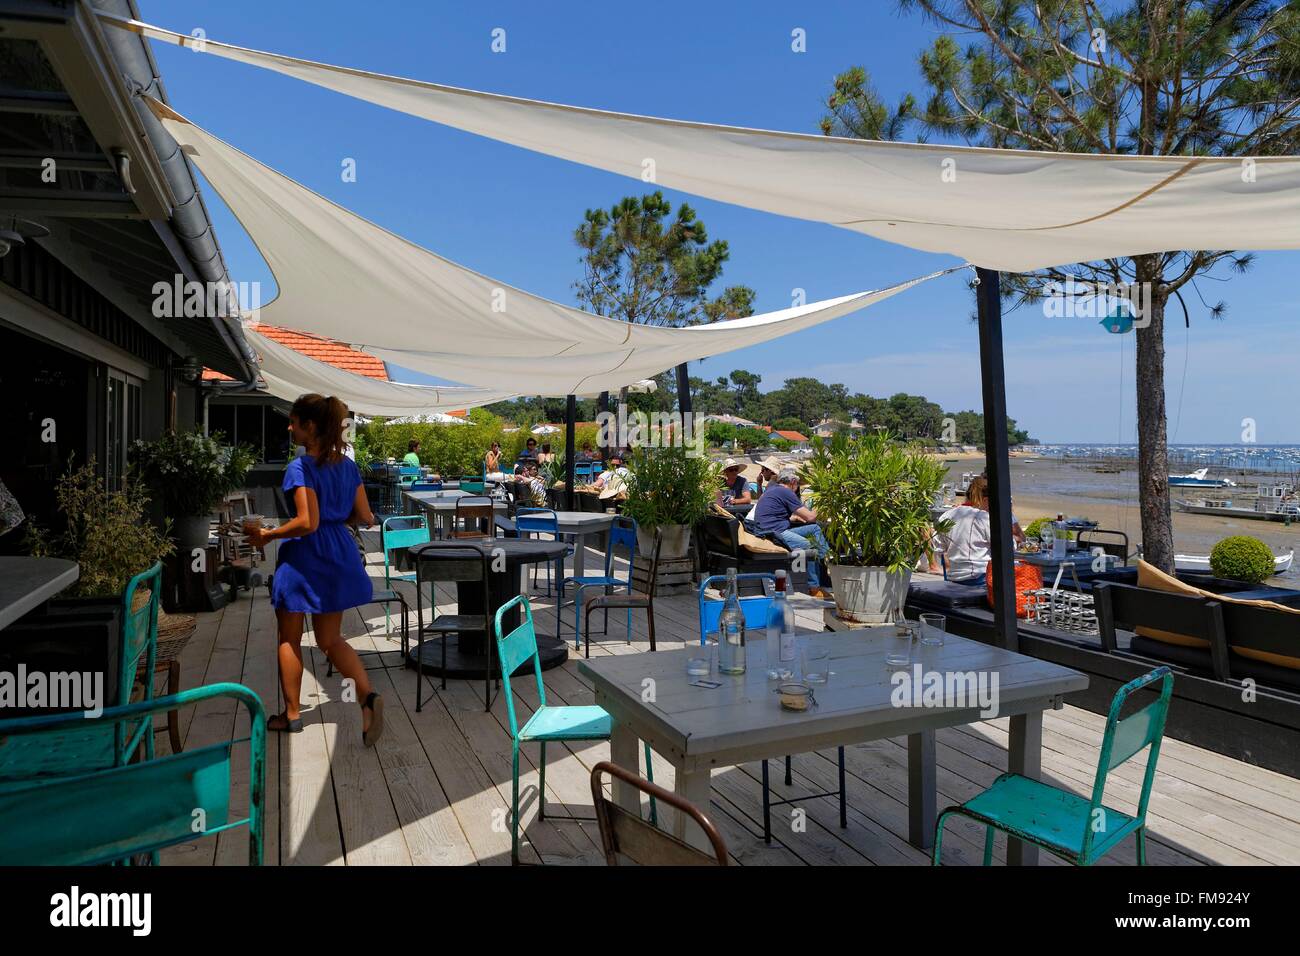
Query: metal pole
[
  {"x": 683, "y": 392},
  {"x": 993, "y": 380},
  {"x": 602, "y": 406},
  {"x": 570, "y": 417}
]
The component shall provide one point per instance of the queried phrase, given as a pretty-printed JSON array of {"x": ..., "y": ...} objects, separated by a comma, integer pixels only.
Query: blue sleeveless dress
[{"x": 322, "y": 572}]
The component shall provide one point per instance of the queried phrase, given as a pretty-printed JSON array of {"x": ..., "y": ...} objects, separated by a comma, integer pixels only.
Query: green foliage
[
  {"x": 108, "y": 533},
  {"x": 1242, "y": 558},
  {"x": 1035, "y": 527},
  {"x": 752, "y": 438},
  {"x": 642, "y": 264},
  {"x": 781, "y": 444},
  {"x": 873, "y": 497},
  {"x": 189, "y": 472},
  {"x": 452, "y": 450},
  {"x": 668, "y": 486}
]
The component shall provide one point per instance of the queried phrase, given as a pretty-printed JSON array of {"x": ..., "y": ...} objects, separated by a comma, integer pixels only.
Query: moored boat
[{"x": 1201, "y": 562}]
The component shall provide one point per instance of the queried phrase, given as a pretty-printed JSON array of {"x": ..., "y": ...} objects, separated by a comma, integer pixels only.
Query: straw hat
[
  {"x": 772, "y": 464},
  {"x": 729, "y": 464}
]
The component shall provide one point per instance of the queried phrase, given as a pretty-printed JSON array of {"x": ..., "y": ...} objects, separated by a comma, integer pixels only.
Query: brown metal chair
[
  {"x": 624, "y": 832},
  {"x": 634, "y": 599},
  {"x": 474, "y": 517}
]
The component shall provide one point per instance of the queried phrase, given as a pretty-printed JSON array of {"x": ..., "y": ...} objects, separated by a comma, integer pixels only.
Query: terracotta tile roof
[
  {"x": 789, "y": 435},
  {"x": 322, "y": 350},
  {"x": 327, "y": 350}
]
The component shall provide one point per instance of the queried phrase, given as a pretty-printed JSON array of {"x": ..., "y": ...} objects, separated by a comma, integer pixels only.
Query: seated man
[
  {"x": 737, "y": 490},
  {"x": 527, "y": 475},
  {"x": 529, "y": 452},
  {"x": 614, "y": 472},
  {"x": 776, "y": 513}
]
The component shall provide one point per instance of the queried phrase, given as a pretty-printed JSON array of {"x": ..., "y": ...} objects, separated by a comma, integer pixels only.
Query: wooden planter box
[{"x": 675, "y": 577}]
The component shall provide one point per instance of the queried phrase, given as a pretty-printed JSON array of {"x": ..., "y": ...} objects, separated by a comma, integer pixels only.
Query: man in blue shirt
[{"x": 778, "y": 509}]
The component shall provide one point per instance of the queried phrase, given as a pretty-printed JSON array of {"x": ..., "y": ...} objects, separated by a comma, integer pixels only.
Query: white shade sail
[
  {"x": 346, "y": 278},
  {"x": 289, "y": 373},
  {"x": 1011, "y": 210}
]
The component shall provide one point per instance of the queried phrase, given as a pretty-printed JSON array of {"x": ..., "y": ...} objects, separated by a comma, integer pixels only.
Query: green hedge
[{"x": 1242, "y": 558}]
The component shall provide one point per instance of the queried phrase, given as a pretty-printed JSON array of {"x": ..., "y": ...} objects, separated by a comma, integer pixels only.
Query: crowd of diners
[{"x": 770, "y": 503}]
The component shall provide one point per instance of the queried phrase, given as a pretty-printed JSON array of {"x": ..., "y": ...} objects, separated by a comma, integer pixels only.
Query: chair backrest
[
  {"x": 624, "y": 832},
  {"x": 1191, "y": 615},
  {"x": 408, "y": 471},
  {"x": 622, "y": 536},
  {"x": 1124, "y": 738},
  {"x": 452, "y": 562},
  {"x": 1111, "y": 542},
  {"x": 472, "y": 509},
  {"x": 139, "y": 647},
  {"x": 537, "y": 520},
  {"x": 722, "y": 534},
  {"x": 401, "y": 531},
  {"x": 516, "y": 649},
  {"x": 652, "y": 582},
  {"x": 755, "y": 607},
  {"x": 426, "y": 486},
  {"x": 583, "y": 470},
  {"x": 111, "y": 814}
]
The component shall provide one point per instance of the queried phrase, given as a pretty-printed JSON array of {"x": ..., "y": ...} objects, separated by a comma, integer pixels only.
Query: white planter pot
[
  {"x": 869, "y": 595},
  {"x": 677, "y": 542}
]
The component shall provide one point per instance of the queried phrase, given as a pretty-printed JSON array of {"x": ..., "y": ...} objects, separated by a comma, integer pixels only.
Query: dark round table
[{"x": 468, "y": 652}]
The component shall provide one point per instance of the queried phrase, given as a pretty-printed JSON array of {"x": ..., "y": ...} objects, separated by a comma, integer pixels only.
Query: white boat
[
  {"x": 1199, "y": 479},
  {"x": 1201, "y": 562}
]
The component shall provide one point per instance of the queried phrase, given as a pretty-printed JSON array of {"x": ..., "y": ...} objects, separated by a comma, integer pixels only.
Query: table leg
[
  {"x": 579, "y": 555},
  {"x": 624, "y": 751},
  {"x": 1024, "y": 756},
  {"x": 921, "y": 789},
  {"x": 694, "y": 786}
]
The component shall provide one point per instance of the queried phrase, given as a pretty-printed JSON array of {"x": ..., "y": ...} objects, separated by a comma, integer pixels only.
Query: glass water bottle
[{"x": 731, "y": 631}]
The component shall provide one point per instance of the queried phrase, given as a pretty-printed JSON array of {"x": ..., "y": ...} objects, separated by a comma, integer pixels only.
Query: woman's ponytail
[{"x": 328, "y": 415}]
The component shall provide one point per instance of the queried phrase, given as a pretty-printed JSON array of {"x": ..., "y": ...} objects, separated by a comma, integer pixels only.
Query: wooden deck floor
[{"x": 436, "y": 789}]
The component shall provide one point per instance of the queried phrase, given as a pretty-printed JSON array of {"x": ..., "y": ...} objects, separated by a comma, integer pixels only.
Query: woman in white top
[{"x": 965, "y": 546}]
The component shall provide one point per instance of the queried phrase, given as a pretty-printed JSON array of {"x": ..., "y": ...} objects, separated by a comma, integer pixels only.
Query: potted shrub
[
  {"x": 1242, "y": 558},
  {"x": 111, "y": 538},
  {"x": 672, "y": 490},
  {"x": 873, "y": 497},
  {"x": 189, "y": 473}
]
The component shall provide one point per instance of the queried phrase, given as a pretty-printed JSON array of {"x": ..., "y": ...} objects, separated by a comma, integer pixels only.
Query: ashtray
[{"x": 796, "y": 696}]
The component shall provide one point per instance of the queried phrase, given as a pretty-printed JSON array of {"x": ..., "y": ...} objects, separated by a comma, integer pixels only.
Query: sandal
[
  {"x": 282, "y": 724},
  {"x": 375, "y": 704}
]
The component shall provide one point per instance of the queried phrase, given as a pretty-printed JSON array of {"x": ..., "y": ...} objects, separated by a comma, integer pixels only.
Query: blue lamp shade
[{"x": 1119, "y": 321}]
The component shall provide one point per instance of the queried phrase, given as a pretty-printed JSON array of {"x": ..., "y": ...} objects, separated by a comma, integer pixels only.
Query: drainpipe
[{"x": 189, "y": 218}]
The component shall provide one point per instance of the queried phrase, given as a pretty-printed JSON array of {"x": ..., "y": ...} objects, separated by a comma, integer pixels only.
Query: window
[
  {"x": 121, "y": 424},
  {"x": 245, "y": 423}
]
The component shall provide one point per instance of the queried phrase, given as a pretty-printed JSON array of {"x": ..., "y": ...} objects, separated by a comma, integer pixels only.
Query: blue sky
[{"x": 511, "y": 213}]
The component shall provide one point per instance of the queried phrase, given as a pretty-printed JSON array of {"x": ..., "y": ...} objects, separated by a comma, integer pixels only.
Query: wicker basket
[{"x": 174, "y": 632}]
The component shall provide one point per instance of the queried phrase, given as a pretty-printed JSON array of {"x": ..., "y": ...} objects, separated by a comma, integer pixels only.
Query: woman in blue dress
[{"x": 320, "y": 570}]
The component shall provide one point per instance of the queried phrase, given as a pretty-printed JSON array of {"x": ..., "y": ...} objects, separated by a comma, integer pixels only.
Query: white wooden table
[{"x": 699, "y": 730}]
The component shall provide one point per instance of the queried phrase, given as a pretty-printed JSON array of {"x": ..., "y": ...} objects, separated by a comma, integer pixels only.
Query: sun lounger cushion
[{"x": 1154, "y": 578}]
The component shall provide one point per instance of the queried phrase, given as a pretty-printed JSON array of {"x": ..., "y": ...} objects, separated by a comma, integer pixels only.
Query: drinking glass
[
  {"x": 816, "y": 664},
  {"x": 898, "y": 646},
  {"x": 932, "y": 629},
  {"x": 697, "y": 666}
]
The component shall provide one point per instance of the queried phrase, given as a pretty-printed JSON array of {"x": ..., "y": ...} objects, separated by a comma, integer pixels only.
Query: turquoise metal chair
[
  {"x": 1077, "y": 829},
  {"x": 413, "y": 530},
  {"x": 82, "y": 746},
  {"x": 111, "y": 814},
  {"x": 549, "y": 723},
  {"x": 622, "y": 534},
  {"x": 755, "y": 607}
]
